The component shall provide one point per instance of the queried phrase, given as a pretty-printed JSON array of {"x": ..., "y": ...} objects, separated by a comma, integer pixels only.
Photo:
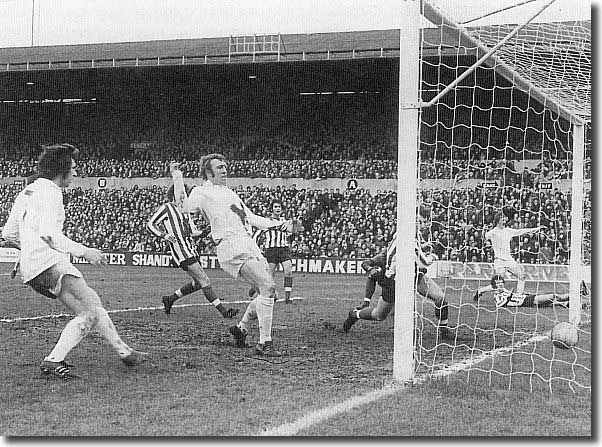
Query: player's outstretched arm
[
  {"x": 293, "y": 226},
  {"x": 63, "y": 244},
  {"x": 95, "y": 256},
  {"x": 264, "y": 223},
  {"x": 522, "y": 231},
  {"x": 179, "y": 189}
]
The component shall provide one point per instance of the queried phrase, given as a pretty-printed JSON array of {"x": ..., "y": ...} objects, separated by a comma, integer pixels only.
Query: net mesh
[
  {"x": 497, "y": 143},
  {"x": 553, "y": 57}
]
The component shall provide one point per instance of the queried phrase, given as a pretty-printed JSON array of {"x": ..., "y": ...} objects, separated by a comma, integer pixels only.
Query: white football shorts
[
  {"x": 49, "y": 282},
  {"x": 233, "y": 252},
  {"x": 501, "y": 266}
]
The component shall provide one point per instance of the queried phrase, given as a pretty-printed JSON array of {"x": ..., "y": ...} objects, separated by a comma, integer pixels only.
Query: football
[{"x": 564, "y": 335}]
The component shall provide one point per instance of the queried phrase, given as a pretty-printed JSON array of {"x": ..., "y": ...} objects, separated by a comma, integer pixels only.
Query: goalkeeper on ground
[
  {"x": 382, "y": 269},
  {"x": 506, "y": 298}
]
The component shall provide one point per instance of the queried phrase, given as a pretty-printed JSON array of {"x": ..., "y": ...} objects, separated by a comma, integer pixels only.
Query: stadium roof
[
  {"x": 318, "y": 62},
  {"x": 293, "y": 47},
  {"x": 354, "y": 61}
]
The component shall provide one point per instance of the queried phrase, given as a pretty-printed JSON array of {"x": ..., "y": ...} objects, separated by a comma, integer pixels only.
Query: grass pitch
[{"x": 199, "y": 384}]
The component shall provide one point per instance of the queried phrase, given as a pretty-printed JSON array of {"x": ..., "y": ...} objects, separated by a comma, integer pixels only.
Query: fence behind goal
[{"x": 502, "y": 114}]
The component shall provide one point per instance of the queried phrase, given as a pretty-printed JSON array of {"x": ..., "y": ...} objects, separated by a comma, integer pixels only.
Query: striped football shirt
[
  {"x": 178, "y": 225},
  {"x": 272, "y": 237},
  {"x": 390, "y": 257}
]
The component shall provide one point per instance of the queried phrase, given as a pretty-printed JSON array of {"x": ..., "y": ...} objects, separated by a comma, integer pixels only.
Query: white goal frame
[{"x": 411, "y": 12}]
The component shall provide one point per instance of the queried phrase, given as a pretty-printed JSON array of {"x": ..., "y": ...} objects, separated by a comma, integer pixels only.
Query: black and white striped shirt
[
  {"x": 178, "y": 225},
  {"x": 271, "y": 238},
  {"x": 391, "y": 255}
]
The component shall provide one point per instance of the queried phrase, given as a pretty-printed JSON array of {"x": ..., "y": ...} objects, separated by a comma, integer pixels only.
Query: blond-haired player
[{"x": 238, "y": 254}]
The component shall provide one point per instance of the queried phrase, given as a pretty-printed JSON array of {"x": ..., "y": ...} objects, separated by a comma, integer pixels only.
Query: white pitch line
[
  {"x": 134, "y": 309},
  {"x": 317, "y": 416}
]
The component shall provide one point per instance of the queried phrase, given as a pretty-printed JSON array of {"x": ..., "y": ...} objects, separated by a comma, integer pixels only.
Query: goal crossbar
[{"x": 486, "y": 56}]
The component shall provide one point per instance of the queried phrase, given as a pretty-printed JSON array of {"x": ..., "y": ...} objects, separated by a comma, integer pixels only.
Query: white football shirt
[
  {"x": 37, "y": 216},
  {"x": 225, "y": 211},
  {"x": 500, "y": 240}
]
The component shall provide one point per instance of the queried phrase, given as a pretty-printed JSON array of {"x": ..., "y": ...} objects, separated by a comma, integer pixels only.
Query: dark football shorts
[
  {"x": 387, "y": 286},
  {"x": 277, "y": 255},
  {"x": 188, "y": 262},
  {"x": 419, "y": 273},
  {"x": 529, "y": 300}
]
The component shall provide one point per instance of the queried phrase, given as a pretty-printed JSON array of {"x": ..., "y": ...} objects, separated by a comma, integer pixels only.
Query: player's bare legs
[
  {"x": 287, "y": 268},
  {"x": 200, "y": 281}
]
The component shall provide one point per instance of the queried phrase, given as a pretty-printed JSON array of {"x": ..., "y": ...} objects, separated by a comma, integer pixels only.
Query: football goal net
[{"x": 494, "y": 121}]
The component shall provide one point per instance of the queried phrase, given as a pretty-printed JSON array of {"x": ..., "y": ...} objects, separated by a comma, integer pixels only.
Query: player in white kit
[
  {"x": 503, "y": 262},
  {"x": 35, "y": 225},
  {"x": 238, "y": 254}
]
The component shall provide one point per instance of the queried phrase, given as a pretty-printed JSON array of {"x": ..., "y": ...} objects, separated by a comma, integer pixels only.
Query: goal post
[{"x": 407, "y": 165}]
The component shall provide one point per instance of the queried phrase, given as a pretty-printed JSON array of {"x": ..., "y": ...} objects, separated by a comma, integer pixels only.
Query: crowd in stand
[
  {"x": 316, "y": 169},
  {"x": 506, "y": 170},
  {"x": 343, "y": 223},
  {"x": 347, "y": 223},
  {"x": 311, "y": 156}
]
